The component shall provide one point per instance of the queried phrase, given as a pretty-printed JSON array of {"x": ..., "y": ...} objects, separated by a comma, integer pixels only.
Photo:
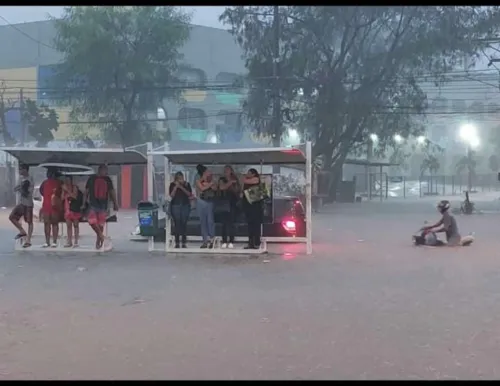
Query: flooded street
[{"x": 366, "y": 305}]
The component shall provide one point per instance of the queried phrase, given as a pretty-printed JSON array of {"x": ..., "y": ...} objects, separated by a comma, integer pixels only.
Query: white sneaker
[
  {"x": 45, "y": 245},
  {"x": 224, "y": 246},
  {"x": 53, "y": 245},
  {"x": 230, "y": 246}
]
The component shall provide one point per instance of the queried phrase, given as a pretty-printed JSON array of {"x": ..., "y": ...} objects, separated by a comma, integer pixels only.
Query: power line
[{"x": 142, "y": 120}]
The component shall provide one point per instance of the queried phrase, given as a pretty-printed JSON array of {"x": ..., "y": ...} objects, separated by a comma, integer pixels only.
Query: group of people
[
  {"x": 63, "y": 201},
  {"x": 222, "y": 198}
]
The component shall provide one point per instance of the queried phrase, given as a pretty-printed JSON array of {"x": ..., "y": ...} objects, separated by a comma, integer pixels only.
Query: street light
[
  {"x": 468, "y": 134},
  {"x": 398, "y": 138},
  {"x": 374, "y": 137},
  {"x": 421, "y": 139},
  {"x": 293, "y": 135}
]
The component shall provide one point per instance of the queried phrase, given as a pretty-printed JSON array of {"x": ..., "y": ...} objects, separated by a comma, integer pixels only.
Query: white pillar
[
  {"x": 309, "y": 197},
  {"x": 150, "y": 171},
  {"x": 167, "y": 171},
  {"x": 14, "y": 164}
]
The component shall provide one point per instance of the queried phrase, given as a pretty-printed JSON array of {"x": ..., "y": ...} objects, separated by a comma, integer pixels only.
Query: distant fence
[{"x": 383, "y": 186}]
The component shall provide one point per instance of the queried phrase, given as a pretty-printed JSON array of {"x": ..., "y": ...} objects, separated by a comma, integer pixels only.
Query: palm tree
[
  {"x": 430, "y": 164},
  {"x": 468, "y": 163}
]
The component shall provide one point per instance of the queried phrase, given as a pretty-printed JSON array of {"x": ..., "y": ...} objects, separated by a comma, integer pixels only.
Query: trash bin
[{"x": 148, "y": 218}]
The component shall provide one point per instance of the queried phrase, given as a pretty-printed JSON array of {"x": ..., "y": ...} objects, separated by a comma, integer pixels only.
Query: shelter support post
[
  {"x": 381, "y": 186},
  {"x": 150, "y": 181},
  {"x": 167, "y": 173},
  {"x": 15, "y": 167},
  {"x": 309, "y": 197}
]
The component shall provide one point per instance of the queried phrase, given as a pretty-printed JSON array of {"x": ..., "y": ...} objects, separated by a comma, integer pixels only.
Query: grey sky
[{"x": 207, "y": 16}]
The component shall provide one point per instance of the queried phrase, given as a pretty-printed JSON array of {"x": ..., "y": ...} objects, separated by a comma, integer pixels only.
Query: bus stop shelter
[
  {"x": 33, "y": 157},
  {"x": 299, "y": 155}
]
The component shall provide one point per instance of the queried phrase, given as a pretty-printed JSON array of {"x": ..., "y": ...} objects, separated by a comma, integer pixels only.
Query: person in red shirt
[
  {"x": 50, "y": 189},
  {"x": 98, "y": 192}
]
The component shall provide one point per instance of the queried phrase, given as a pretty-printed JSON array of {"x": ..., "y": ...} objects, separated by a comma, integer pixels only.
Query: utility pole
[
  {"x": 21, "y": 117},
  {"x": 276, "y": 120}
]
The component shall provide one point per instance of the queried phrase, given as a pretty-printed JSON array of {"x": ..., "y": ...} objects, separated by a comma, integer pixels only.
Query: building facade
[{"x": 28, "y": 61}]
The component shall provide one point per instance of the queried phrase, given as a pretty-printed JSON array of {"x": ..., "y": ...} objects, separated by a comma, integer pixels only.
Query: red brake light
[{"x": 289, "y": 226}]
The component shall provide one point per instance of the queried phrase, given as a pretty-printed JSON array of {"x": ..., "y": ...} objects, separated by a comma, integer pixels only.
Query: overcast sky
[{"x": 207, "y": 16}]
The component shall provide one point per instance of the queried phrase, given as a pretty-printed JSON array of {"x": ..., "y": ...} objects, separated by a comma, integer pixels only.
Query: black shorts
[{"x": 26, "y": 212}]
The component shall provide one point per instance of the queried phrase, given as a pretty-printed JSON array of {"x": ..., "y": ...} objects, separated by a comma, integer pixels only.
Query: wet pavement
[{"x": 366, "y": 305}]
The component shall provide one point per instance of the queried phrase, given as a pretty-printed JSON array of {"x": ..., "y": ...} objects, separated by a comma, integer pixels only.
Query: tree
[
  {"x": 41, "y": 121},
  {"x": 493, "y": 163},
  {"x": 119, "y": 64},
  {"x": 6, "y": 105},
  {"x": 429, "y": 164},
  {"x": 356, "y": 70}
]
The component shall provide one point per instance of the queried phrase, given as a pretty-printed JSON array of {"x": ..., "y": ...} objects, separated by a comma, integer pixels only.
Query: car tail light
[{"x": 289, "y": 226}]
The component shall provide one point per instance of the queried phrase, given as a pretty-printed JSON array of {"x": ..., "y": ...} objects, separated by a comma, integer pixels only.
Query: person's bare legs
[
  {"x": 97, "y": 231},
  {"x": 30, "y": 232},
  {"x": 46, "y": 230},
  {"x": 15, "y": 220},
  {"x": 55, "y": 230},
  {"x": 76, "y": 225},
  {"x": 69, "y": 228},
  {"x": 101, "y": 235}
]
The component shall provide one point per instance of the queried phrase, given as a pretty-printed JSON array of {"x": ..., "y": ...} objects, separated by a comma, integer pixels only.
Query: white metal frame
[
  {"x": 88, "y": 157},
  {"x": 164, "y": 151}
]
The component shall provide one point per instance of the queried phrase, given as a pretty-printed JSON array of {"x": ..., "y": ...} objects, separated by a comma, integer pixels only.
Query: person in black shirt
[
  {"x": 180, "y": 206},
  {"x": 254, "y": 211},
  {"x": 229, "y": 188}
]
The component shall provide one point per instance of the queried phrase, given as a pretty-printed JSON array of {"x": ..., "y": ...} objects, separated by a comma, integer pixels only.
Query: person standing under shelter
[
  {"x": 99, "y": 191},
  {"x": 73, "y": 200},
  {"x": 253, "y": 207},
  {"x": 25, "y": 207},
  {"x": 229, "y": 191},
  {"x": 181, "y": 193},
  {"x": 206, "y": 189},
  {"x": 51, "y": 211}
]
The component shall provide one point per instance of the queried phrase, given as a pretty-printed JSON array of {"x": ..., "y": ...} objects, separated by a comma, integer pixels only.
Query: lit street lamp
[
  {"x": 421, "y": 139},
  {"x": 398, "y": 138}
]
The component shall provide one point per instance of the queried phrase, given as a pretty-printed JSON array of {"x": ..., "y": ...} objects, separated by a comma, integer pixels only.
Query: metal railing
[{"x": 383, "y": 186}]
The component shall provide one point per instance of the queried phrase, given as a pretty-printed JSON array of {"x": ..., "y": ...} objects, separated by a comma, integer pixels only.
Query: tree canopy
[
  {"x": 355, "y": 70},
  {"x": 119, "y": 63},
  {"x": 6, "y": 104},
  {"x": 41, "y": 122}
]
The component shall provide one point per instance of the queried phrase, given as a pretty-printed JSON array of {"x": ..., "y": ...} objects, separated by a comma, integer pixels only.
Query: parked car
[{"x": 288, "y": 220}]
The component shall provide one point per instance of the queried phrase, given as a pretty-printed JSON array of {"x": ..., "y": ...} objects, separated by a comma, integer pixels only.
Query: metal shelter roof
[
  {"x": 248, "y": 156},
  {"x": 90, "y": 157},
  {"x": 363, "y": 162}
]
